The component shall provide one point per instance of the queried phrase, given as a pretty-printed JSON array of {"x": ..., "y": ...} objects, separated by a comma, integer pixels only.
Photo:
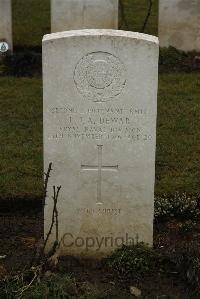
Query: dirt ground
[{"x": 20, "y": 232}]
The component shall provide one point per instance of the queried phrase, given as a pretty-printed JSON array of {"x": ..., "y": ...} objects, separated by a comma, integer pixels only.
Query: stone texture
[
  {"x": 6, "y": 22},
  {"x": 83, "y": 14},
  {"x": 179, "y": 24},
  {"x": 135, "y": 292},
  {"x": 100, "y": 96}
]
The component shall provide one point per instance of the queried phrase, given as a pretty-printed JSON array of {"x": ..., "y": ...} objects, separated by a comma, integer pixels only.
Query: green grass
[
  {"x": 21, "y": 138},
  {"x": 56, "y": 286},
  {"x": 178, "y": 153},
  {"x": 135, "y": 14},
  {"x": 178, "y": 139},
  {"x": 31, "y": 20}
]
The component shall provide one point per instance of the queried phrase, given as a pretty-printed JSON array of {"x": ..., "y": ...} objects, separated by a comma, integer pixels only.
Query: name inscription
[{"x": 112, "y": 123}]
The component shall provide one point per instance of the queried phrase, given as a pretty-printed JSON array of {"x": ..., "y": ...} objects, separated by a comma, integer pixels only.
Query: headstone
[
  {"x": 179, "y": 24},
  {"x": 6, "y": 43},
  {"x": 100, "y": 96},
  {"x": 83, "y": 14}
]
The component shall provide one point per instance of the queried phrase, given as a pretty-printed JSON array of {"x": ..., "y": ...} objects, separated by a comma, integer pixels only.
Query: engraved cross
[{"x": 100, "y": 167}]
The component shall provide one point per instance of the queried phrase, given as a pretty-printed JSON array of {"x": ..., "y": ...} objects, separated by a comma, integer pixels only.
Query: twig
[
  {"x": 27, "y": 286},
  {"x": 41, "y": 260},
  {"x": 40, "y": 247},
  {"x": 47, "y": 176},
  {"x": 40, "y": 250},
  {"x": 147, "y": 16},
  {"x": 54, "y": 213}
]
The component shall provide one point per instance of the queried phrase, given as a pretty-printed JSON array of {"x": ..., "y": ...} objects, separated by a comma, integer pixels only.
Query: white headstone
[
  {"x": 83, "y": 14},
  {"x": 5, "y": 25},
  {"x": 179, "y": 24},
  {"x": 100, "y": 97}
]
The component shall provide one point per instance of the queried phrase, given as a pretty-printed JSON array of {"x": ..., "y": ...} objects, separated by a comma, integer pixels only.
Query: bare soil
[{"x": 21, "y": 230}]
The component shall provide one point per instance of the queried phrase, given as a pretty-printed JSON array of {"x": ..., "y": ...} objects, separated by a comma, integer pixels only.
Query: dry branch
[
  {"x": 54, "y": 217},
  {"x": 47, "y": 176},
  {"x": 147, "y": 16}
]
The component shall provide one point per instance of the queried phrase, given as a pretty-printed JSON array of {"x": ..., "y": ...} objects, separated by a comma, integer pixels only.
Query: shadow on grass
[{"x": 27, "y": 62}]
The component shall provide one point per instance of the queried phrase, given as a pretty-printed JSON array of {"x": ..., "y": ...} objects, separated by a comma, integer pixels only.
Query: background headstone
[
  {"x": 6, "y": 23},
  {"x": 179, "y": 24},
  {"x": 83, "y": 14},
  {"x": 100, "y": 96}
]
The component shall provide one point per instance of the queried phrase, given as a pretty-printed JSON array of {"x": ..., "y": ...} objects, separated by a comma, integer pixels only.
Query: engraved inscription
[
  {"x": 99, "y": 211},
  {"x": 100, "y": 167},
  {"x": 100, "y": 76},
  {"x": 91, "y": 123}
]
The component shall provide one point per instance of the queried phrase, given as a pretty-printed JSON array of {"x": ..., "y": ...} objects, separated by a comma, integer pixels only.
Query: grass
[
  {"x": 135, "y": 14},
  {"x": 21, "y": 136},
  {"x": 56, "y": 286},
  {"x": 133, "y": 262},
  {"x": 31, "y": 20},
  {"x": 178, "y": 155}
]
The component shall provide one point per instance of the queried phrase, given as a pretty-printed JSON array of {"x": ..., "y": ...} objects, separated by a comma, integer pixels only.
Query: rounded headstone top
[{"x": 101, "y": 32}]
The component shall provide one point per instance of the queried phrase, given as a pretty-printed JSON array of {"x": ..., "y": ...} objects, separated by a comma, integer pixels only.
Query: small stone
[
  {"x": 48, "y": 274},
  {"x": 2, "y": 257},
  {"x": 135, "y": 291}
]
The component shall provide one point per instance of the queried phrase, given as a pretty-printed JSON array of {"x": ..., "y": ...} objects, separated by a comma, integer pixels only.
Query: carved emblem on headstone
[{"x": 100, "y": 76}]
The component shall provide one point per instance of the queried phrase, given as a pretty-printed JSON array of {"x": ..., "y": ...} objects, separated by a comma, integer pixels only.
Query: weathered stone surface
[
  {"x": 179, "y": 24},
  {"x": 83, "y": 14},
  {"x": 135, "y": 292},
  {"x": 6, "y": 23},
  {"x": 100, "y": 96}
]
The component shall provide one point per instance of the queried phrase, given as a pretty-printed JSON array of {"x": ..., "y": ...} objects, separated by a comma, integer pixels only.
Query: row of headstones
[
  {"x": 100, "y": 106},
  {"x": 179, "y": 20}
]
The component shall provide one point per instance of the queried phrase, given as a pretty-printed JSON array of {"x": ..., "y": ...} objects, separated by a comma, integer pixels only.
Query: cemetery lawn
[
  {"x": 21, "y": 138},
  {"x": 31, "y": 20},
  {"x": 178, "y": 138}
]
